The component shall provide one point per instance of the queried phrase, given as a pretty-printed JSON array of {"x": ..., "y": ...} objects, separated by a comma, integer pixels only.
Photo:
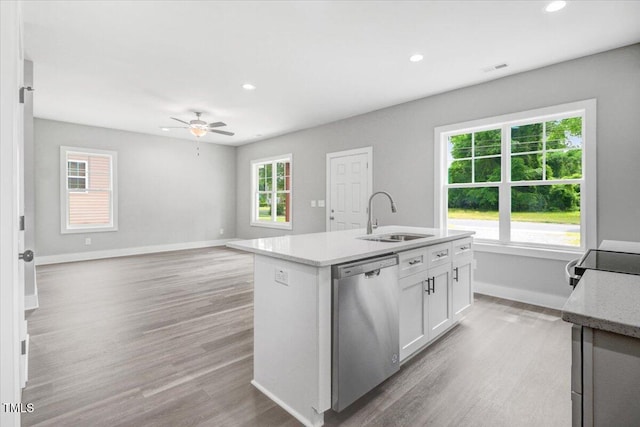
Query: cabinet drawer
[
  {"x": 462, "y": 247},
  {"x": 438, "y": 254},
  {"x": 413, "y": 261}
]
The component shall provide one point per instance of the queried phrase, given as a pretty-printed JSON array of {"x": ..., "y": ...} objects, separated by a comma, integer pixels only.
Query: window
[
  {"x": 87, "y": 188},
  {"x": 525, "y": 180},
  {"x": 77, "y": 175},
  {"x": 271, "y": 192}
]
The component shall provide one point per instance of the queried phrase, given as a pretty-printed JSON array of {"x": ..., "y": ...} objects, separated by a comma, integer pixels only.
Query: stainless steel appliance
[
  {"x": 603, "y": 260},
  {"x": 366, "y": 342}
]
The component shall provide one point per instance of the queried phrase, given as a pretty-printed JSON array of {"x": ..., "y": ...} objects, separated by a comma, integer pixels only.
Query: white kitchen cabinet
[
  {"x": 462, "y": 278},
  {"x": 414, "y": 329},
  {"x": 439, "y": 307},
  {"x": 425, "y": 307},
  {"x": 462, "y": 291}
]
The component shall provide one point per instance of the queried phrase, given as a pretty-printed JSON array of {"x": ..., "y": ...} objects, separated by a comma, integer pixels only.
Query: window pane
[
  {"x": 283, "y": 207},
  {"x": 566, "y": 133},
  {"x": 526, "y": 138},
  {"x": 264, "y": 207},
  {"x": 261, "y": 184},
  {"x": 460, "y": 172},
  {"x": 546, "y": 214},
  {"x": 76, "y": 183},
  {"x": 268, "y": 170},
  {"x": 526, "y": 167},
  {"x": 487, "y": 169},
  {"x": 261, "y": 172},
  {"x": 460, "y": 146},
  {"x": 487, "y": 142},
  {"x": 268, "y": 184},
  {"x": 564, "y": 164},
  {"x": 474, "y": 209}
]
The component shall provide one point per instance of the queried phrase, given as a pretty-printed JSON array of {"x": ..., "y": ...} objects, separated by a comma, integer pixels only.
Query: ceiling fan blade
[
  {"x": 174, "y": 127},
  {"x": 222, "y": 132},
  {"x": 216, "y": 124},
  {"x": 181, "y": 121}
]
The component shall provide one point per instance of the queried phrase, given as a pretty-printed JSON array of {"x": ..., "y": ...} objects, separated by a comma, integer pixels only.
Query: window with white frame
[
  {"x": 271, "y": 192},
  {"x": 523, "y": 180},
  {"x": 87, "y": 190}
]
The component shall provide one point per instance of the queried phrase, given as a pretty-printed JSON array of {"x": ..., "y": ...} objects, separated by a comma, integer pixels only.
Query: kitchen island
[
  {"x": 605, "y": 371},
  {"x": 293, "y": 303}
]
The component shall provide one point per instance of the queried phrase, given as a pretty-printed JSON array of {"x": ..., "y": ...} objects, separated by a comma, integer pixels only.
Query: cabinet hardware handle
[
  {"x": 433, "y": 289},
  {"x": 428, "y": 290},
  {"x": 456, "y": 276},
  {"x": 414, "y": 261}
]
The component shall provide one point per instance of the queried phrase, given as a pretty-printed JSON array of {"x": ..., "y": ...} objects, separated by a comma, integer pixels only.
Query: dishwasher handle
[
  {"x": 365, "y": 266},
  {"x": 371, "y": 274}
]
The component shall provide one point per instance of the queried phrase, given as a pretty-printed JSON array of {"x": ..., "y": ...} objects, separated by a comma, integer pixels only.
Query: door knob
[
  {"x": 26, "y": 256},
  {"x": 332, "y": 218}
]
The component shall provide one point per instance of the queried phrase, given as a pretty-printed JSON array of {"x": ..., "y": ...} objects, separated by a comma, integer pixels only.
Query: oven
[{"x": 602, "y": 260}]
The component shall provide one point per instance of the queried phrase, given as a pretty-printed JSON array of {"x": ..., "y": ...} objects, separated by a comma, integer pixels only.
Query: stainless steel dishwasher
[{"x": 366, "y": 341}]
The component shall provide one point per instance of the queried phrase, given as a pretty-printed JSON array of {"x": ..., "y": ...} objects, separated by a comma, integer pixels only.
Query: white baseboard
[
  {"x": 521, "y": 295},
  {"x": 113, "y": 253},
  {"x": 31, "y": 302}
]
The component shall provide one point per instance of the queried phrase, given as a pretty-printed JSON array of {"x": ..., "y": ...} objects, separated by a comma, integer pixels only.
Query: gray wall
[
  {"x": 166, "y": 194},
  {"x": 402, "y": 140}
]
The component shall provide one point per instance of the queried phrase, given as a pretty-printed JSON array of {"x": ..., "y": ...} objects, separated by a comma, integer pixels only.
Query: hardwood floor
[{"x": 166, "y": 340}]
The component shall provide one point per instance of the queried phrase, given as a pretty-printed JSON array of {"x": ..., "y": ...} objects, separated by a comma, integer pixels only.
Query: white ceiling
[{"x": 131, "y": 65}]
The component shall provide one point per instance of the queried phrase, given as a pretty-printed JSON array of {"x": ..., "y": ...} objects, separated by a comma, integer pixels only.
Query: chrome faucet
[{"x": 370, "y": 226}]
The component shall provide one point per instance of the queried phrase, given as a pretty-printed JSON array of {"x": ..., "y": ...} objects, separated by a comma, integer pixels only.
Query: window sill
[
  {"x": 527, "y": 251},
  {"x": 88, "y": 230},
  {"x": 281, "y": 226}
]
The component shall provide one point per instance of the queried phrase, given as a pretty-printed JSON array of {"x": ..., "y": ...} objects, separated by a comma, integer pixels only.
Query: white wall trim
[
  {"x": 113, "y": 253},
  {"x": 364, "y": 150},
  {"x": 31, "y": 302},
  {"x": 522, "y": 295}
]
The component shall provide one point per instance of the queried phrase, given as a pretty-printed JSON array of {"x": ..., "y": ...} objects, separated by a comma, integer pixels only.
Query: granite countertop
[
  {"x": 605, "y": 300},
  {"x": 336, "y": 247}
]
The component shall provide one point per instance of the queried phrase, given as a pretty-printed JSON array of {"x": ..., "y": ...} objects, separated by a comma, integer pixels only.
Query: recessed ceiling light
[
  {"x": 555, "y": 6},
  {"x": 165, "y": 129},
  {"x": 248, "y": 86},
  {"x": 416, "y": 57}
]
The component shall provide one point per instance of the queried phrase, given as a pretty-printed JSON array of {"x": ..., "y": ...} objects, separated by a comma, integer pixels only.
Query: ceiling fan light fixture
[
  {"x": 248, "y": 86},
  {"x": 416, "y": 57},
  {"x": 197, "y": 132}
]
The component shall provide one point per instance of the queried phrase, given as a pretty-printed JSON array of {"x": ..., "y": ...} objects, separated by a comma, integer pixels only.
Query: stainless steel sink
[{"x": 395, "y": 237}]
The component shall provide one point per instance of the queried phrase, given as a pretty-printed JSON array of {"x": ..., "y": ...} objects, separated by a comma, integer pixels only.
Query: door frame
[
  {"x": 330, "y": 156},
  {"x": 11, "y": 300}
]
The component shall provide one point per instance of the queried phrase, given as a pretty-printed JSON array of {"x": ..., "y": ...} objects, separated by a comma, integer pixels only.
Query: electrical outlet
[
  {"x": 313, "y": 203},
  {"x": 282, "y": 276},
  {"x": 221, "y": 231},
  {"x": 87, "y": 241},
  {"x": 321, "y": 203}
]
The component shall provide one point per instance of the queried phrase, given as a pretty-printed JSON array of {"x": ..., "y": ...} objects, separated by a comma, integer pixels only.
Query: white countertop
[
  {"x": 605, "y": 300},
  {"x": 336, "y": 247}
]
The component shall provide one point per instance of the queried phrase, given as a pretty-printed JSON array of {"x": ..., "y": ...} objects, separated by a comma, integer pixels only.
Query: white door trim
[
  {"x": 11, "y": 311},
  {"x": 364, "y": 150}
]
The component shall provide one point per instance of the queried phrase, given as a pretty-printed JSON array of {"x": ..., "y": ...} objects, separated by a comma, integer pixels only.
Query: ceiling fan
[{"x": 199, "y": 127}]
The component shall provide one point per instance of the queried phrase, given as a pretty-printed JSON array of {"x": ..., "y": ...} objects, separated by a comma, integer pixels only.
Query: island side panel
[{"x": 292, "y": 336}]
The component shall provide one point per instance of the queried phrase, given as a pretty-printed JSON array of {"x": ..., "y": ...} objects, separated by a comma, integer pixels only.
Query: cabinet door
[
  {"x": 439, "y": 300},
  {"x": 461, "y": 284},
  {"x": 413, "y": 310}
]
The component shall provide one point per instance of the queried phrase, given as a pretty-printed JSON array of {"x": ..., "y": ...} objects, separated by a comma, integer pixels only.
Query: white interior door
[{"x": 349, "y": 187}]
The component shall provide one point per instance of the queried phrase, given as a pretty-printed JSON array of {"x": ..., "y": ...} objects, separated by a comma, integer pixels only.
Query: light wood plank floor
[{"x": 166, "y": 340}]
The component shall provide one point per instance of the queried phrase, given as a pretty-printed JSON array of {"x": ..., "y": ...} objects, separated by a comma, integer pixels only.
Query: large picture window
[
  {"x": 87, "y": 189},
  {"x": 271, "y": 192},
  {"x": 521, "y": 180}
]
